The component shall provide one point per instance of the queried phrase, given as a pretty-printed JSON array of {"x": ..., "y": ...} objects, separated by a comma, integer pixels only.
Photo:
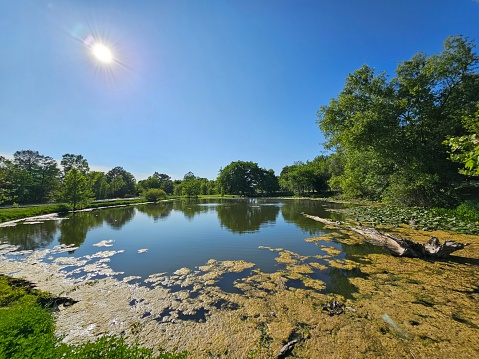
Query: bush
[
  {"x": 154, "y": 194},
  {"x": 469, "y": 210}
]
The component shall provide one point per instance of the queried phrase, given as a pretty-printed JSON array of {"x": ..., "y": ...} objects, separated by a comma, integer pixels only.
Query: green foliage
[
  {"x": 99, "y": 184},
  {"x": 465, "y": 149},
  {"x": 110, "y": 347},
  {"x": 246, "y": 178},
  {"x": 154, "y": 194},
  {"x": 190, "y": 186},
  {"x": 390, "y": 133},
  {"x": 35, "y": 177},
  {"x": 76, "y": 189},
  {"x": 27, "y": 331},
  {"x": 121, "y": 183},
  {"x": 70, "y": 161}
]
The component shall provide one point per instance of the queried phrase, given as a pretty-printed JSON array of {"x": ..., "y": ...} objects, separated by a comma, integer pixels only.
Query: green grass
[
  {"x": 27, "y": 330},
  {"x": 12, "y": 213},
  {"x": 9, "y": 214}
]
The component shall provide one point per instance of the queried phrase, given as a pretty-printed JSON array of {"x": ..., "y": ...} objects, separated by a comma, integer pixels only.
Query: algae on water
[{"x": 400, "y": 307}]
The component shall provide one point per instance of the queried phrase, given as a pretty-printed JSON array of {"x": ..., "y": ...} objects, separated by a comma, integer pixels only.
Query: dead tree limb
[
  {"x": 285, "y": 350},
  {"x": 399, "y": 246}
]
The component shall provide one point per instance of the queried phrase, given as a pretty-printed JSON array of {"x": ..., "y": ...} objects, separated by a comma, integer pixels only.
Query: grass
[
  {"x": 9, "y": 214},
  {"x": 27, "y": 330},
  {"x": 13, "y": 213}
]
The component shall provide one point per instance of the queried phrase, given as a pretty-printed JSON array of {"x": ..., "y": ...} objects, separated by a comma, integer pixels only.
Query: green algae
[{"x": 434, "y": 305}]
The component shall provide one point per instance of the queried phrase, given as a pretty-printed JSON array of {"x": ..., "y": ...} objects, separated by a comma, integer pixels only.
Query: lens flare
[
  {"x": 102, "y": 53},
  {"x": 105, "y": 55}
]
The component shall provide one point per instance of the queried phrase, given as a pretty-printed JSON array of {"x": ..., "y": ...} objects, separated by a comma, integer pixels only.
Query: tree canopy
[
  {"x": 246, "y": 178},
  {"x": 390, "y": 133}
]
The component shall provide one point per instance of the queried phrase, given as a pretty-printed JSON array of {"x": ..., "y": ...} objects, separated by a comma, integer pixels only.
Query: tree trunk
[{"x": 399, "y": 246}]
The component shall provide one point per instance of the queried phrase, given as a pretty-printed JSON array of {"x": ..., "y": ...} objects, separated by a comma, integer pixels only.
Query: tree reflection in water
[
  {"x": 246, "y": 216},
  {"x": 156, "y": 211},
  {"x": 29, "y": 236}
]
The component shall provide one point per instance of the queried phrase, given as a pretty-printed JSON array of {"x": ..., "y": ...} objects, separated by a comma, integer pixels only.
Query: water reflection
[
  {"x": 29, "y": 236},
  {"x": 293, "y": 209},
  {"x": 246, "y": 216},
  {"x": 118, "y": 217},
  {"x": 169, "y": 235},
  {"x": 75, "y": 229},
  {"x": 190, "y": 207},
  {"x": 339, "y": 278},
  {"x": 238, "y": 216},
  {"x": 157, "y": 211}
]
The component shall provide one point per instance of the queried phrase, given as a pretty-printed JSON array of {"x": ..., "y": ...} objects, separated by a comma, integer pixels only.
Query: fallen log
[
  {"x": 285, "y": 350},
  {"x": 399, "y": 246}
]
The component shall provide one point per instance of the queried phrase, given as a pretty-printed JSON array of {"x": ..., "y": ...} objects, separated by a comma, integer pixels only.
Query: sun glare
[{"x": 102, "y": 53}]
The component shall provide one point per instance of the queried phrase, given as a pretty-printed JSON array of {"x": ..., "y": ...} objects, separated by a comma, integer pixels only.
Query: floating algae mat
[{"x": 260, "y": 277}]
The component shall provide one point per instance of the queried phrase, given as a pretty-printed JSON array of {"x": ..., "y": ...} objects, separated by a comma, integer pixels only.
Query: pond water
[{"x": 165, "y": 237}]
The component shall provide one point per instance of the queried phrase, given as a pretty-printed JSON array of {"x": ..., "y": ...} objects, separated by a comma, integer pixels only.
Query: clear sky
[{"x": 194, "y": 85}]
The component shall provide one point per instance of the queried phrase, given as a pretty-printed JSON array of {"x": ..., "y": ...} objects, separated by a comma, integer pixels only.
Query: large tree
[
  {"x": 246, "y": 178},
  {"x": 76, "y": 188},
  {"x": 390, "y": 133},
  {"x": 191, "y": 185},
  {"x": 302, "y": 178},
  {"x": 6, "y": 180},
  {"x": 36, "y": 177},
  {"x": 465, "y": 149},
  {"x": 70, "y": 161},
  {"x": 121, "y": 182}
]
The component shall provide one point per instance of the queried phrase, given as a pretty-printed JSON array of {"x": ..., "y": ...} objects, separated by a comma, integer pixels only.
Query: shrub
[
  {"x": 154, "y": 194},
  {"x": 469, "y": 210}
]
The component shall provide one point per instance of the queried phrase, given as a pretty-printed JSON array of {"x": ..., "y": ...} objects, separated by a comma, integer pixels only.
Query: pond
[
  {"x": 139, "y": 241},
  {"x": 240, "y": 278}
]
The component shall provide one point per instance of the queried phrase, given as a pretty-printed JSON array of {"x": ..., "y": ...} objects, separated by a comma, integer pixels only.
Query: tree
[
  {"x": 190, "y": 186},
  {"x": 268, "y": 182},
  {"x": 6, "y": 180},
  {"x": 389, "y": 132},
  {"x": 150, "y": 182},
  {"x": 302, "y": 178},
  {"x": 121, "y": 182},
  {"x": 239, "y": 177},
  {"x": 36, "y": 177},
  {"x": 465, "y": 149},
  {"x": 166, "y": 184},
  {"x": 70, "y": 161},
  {"x": 76, "y": 188},
  {"x": 99, "y": 184},
  {"x": 246, "y": 178}
]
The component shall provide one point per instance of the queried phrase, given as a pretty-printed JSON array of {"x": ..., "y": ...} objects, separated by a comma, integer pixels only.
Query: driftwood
[
  {"x": 399, "y": 246},
  {"x": 284, "y": 351}
]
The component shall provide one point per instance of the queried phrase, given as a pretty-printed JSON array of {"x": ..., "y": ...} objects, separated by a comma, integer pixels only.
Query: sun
[{"x": 102, "y": 53}]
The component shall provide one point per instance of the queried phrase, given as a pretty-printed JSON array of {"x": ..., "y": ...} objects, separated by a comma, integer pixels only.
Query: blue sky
[{"x": 197, "y": 84}]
